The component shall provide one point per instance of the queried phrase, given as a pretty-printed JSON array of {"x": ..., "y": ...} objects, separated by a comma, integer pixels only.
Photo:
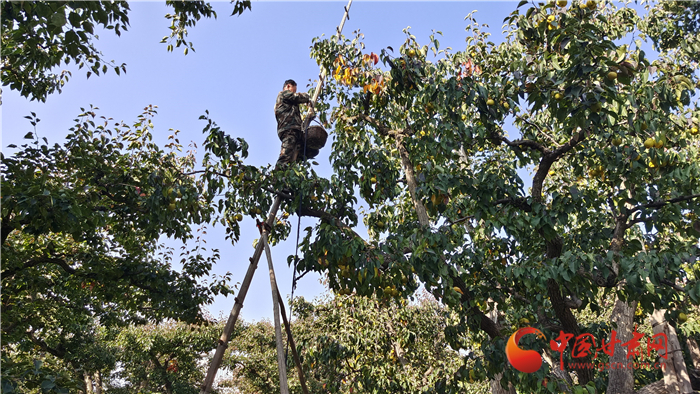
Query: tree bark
[
  {"x": 98, "y": 382},
  {"x": 412, "y": 184},
  {"x": 657, "y": 387},
  {"x": 621, "y": 380},
  {"x": 88, "y": 383},
  {"x": 694, "y": 352},
  {"x": 496, "y": 387},
  {"x": 486, "y": 324},
  {"x": 569, "y": 324},
  {"x": 676, "y": 376}
]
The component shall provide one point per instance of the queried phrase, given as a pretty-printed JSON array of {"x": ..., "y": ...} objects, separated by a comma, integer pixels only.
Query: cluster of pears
[{"x": 658, "y": 141}]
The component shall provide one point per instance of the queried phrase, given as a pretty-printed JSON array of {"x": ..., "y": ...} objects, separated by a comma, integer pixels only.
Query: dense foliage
[
  {"x": 351, "y": 345},
  {"x": 608, "y": 133},
  {"x": 40, "y": 36},
  {"x": 81, "y": 224},
  {"x": 549, "y": 181}
]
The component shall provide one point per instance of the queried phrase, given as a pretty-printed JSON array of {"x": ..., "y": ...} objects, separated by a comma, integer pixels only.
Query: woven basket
[
  {"x": 310, "y": 153},
  {"x": 316, "y": 137}
]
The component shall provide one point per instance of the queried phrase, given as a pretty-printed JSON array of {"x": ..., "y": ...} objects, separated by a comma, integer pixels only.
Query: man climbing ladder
[
  {"x": 240, "y": 297},
  {"x": 289, "y": 125}
]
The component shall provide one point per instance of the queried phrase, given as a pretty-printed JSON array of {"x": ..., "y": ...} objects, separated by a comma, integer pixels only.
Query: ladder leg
[
  {"x": 295, "y": 355},
  {"x": 281, "y": 362},
  {"x": 233, "y": 316}
]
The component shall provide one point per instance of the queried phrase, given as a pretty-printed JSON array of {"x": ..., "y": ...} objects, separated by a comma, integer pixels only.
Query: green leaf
[
  {"x": 58, "y": 19},
  {"x": 47, "y": 385},
  {"x": 650, "y": 287}
]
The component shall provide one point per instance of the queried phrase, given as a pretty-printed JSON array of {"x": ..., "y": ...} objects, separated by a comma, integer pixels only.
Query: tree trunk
[
  {"x": 424, "y": 220},
  {"x": 694, "y": 352},
  {"x": 695, "y": 357},
  {"x": 621, "y": 378},
  {"x": 568, "y": 322},
  {"x": 98, "y": 382},
  {"x": 676, "y": 375},
  {"x": 88, "y": 383},
  {"x": 657, "y": 387},
  {"x": 412, "y": 184},
  {"x": 496, "y": 388}
]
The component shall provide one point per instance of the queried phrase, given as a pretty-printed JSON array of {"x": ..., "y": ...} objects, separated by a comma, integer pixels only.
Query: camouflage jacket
[{"x": 287, "y": 110}]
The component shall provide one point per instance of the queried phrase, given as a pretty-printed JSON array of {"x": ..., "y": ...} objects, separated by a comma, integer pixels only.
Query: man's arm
[{"x": 295, "y": 98}]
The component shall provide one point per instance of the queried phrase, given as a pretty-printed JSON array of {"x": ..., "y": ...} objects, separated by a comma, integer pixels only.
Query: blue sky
[{"x": 236, "y": 72}]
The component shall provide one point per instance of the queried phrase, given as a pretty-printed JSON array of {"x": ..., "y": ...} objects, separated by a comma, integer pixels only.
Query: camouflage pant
[{"x": 291, "y": 146}]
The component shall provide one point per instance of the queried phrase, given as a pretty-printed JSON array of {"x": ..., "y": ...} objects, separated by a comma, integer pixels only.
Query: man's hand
[{"x": 309, "y": 117}]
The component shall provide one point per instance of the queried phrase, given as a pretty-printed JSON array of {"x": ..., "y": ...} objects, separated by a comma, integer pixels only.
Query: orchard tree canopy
[
  {"x": 351, "y": 344},
  {"x": 39, "y": 36},
  {"x": 80, "y": 238},
  {"x": 604, "y": 135},
  {"x": 547, "y": 181},
  {"x": 439, "y": 150}
]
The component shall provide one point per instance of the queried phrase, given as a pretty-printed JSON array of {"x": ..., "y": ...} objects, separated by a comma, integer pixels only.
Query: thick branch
[
  {"x": 660, "y": 204},
  {"x": 10, "y": 272},
  {"x": 381, "y": 128},
  {"x": 672, "y": 285},
  {"x": 575, "y": 140},
  {"x": 548, "y": 160},
  {"x": 518, "y": 202},
  {"x": 168, "y": 384},
  {"x": 486, "y": 324},
  {"x": 56, "y": 352},
  {"x": 523, "y": 143},
  {"x": 412, "y": 184}
]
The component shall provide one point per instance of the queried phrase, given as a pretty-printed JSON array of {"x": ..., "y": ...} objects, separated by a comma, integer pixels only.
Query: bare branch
[
  {"x": 539, "y": 129},
  {"x": 518, "y": 202},
  {"x": 43, "y": 346},
  {"x": 522, "y": 143},
  {"x": 381, "y": 128},
  {"x": 10, "y": 272},
  {"x": 672, "y": 285},
  {"x": 659, "y": 204}
]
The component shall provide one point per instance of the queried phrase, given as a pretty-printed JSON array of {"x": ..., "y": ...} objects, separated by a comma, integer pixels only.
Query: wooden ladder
[{"x": 278, "y": 304}]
